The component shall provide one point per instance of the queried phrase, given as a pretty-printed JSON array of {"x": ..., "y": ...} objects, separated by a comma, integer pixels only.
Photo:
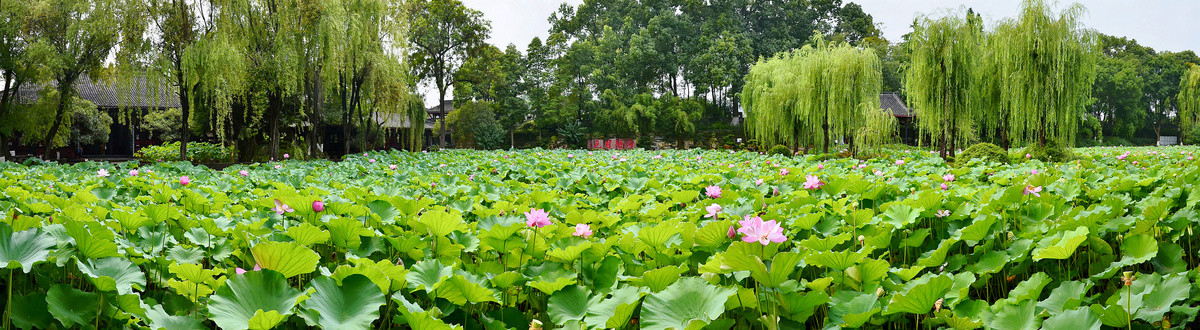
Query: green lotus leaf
[
  {"x": 569, "y": 304},
  {"x": 25, "y": 248},
  {"x": 72, "y": 307},
  {"x": 426, "y": 274},
  {"x": 92, "y": 240},
  {"x": 352, "y": 305},
  {"x": 1068, "y": 295},
  {"x": 1161, "y": 294},
  {"x": 852, "y": 309},
  {"x": 347, "y": 233},
  {"x": 919, "y": 295},
  {"x": 659, "y": 279},
  {"x": 1028, "y": 289},
  {"x": 1078, "y": 318},
  {"x": 439, "y": 223},
  {"x": 616, "y": 309},
  {"x": 384, "y": 209},
  {"x": 1022, "y": 316},
  {"x": 900, "y": 215},
  {"x": 161, "y": 320},
  {"x": 248, "y": 298},
  {"x": 287, "y": 258},
  {"x": 690, "y": 303},
  {"x": 1060, "y": 246},
  {"x": 977, "y": 230},
  {"x": 306, "y": 234},
  {"x": 460, "y": 291},
  {"x": 113, "y": 274},
  {"x": 31, "y": 311},
  {"x": 839, "y": 260}
]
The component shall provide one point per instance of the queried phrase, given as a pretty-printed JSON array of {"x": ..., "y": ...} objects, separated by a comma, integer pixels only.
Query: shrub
[
  {"x": 198, "y": 152},
  {"x": 779, "y": 149},
  {"x": 985, "y": 151},
  {"x": 1051, "y": 152}
]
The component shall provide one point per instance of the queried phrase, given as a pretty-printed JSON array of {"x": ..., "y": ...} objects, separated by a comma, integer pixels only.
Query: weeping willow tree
[
  {"x": 879, "y": 128},
  {"x": 940, "y": 76},
  {"x": 1047, "y": 65},
  {"x": 817, "y": 94},
  {"x": 1189, "y": 102}
]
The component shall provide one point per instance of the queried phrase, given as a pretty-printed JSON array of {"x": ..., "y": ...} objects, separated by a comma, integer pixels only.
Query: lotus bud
[
  {"x": 879, "y": 292},
  {"x": 535, "y": 325}
]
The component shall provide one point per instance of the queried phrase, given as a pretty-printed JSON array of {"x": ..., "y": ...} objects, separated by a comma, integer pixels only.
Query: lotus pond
[{"x": 630, "y": 240}]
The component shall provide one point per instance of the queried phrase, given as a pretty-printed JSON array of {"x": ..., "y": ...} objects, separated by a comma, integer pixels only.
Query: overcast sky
[{"x": 1160, "y": 24}]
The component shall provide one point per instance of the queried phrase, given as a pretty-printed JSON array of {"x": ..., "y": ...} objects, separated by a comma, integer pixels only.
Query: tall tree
[
  {"x": 443, "y": 34},
  {"x": 172, "y": 28},
  {"x": 1189, "y": 103},
  {"x": 815, "y": 95},
  {"x": 938, "y": 82},
  {"x": 80, "y": 35},
  {"x": 1047, "y": 68},
  {"x": 18, "y": 63}
]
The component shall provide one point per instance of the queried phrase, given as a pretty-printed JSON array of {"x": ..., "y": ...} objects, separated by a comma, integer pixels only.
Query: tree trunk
[
  {"x": 275, "y": 101},
  {"x": 442, "y": 120},
  {"x": 185, "y": 132},
  {"x": 64, "y": 96}
]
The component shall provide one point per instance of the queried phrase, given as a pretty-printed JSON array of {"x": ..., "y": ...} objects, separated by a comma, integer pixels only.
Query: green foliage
[
  {"x": 986, "y": 151},
  {"x": 1051, "y": 152},
  {"x": 164, "y": 123},
  {"x": 866, "y": 250},
  {"x": 781, "y": 150},
  {"x": 1189, "y": 104},
  {"x": 811, "y": 96},
  {"x": 1044, "y": 89},
  {"x": 198, "y": 152},
  {"x": 940, "y": 78}
]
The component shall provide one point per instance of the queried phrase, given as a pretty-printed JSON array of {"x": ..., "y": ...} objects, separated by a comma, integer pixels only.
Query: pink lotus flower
[
  {"x": 812, "y": 182},
  {"x": 783, "y": 172},
  {"x": 860, "y": 166},
  {"x": 1027, "y": 156},
  {"x": 318, "y": 206},
  {"x": 1135, "y": 162},
  {"x": 1189, "y": 158},
  {"x": 712, "y": 191},
  {"x": 570, "y": 156},
  {"x": 471, "y": 177},
  {"x": 948, "y": 177},
  {"x": 1033, "y": 172},
  {"x": 241, "y": 271},
  {"x": 278, "y": 166},
  {"x": 243, "y": 172},
  {"x": 878, "y": 172},
  {"x": 103, "y": 173},
  {"x": 655, "y": 156},
  {"x": 372, "y": 160},
  {"x": 281, "y": 208},
  {"x": 583, "y": 230},
  {"x": 392, "y": 167},
  {"x": 712, "y": 210},
  {"x": 821, "y": 166},
  {"x": 1036, "y": 191},
  {"x": 184, "y": 180},
  {"x": 944, "y": 186},
  {"x": 943, "y": 213},
  {"x": 133, "y": 172},
  {"x": 286, "y": 156},
  {"x": 899, "y": 162},
  {"x": 756, "y": 230},
  {"x": 758, "y": 182},
  {"x": 537, "y": 218}
]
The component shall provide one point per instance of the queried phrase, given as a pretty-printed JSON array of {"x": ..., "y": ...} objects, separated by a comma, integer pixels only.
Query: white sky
[{"x": 1160, "y": 24}]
